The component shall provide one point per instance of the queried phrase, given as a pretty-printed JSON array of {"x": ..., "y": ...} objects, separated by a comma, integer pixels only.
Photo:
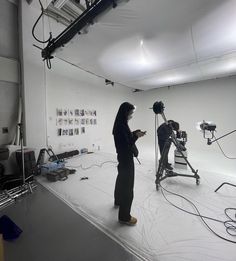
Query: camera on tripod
[{"x": 181, "y": 137}]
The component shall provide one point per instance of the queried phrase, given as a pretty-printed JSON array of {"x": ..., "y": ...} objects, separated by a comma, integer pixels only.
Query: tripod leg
[{"x": 162, "y": 163}]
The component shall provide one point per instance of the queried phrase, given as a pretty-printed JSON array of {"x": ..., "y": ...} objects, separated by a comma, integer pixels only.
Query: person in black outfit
[
  {"x": 126, "y": 149},
  {"x": 163, "y": 133}
]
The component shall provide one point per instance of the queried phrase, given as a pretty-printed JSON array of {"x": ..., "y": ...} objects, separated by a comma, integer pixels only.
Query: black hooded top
[
  {"x": 165, "y": 129},
  {"x": 124, "y": 139}
]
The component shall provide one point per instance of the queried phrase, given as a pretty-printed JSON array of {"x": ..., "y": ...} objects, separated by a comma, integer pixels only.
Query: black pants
[
  {"x": 161, "y": 144},
  {"x": 124, "y": 186}
]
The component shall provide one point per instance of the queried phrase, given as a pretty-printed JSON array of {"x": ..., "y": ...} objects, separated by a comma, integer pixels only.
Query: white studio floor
[{"x": 163, "y": 232}]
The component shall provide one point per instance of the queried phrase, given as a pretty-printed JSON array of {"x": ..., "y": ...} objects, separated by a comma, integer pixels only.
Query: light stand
[
  {"x": 22, "y": 151},
  {"x": 27, "y": 185},
  {"x": 163, "y": 172},
  {"x": 10, "y": 196},
  {"x": 209, "y": 142}
]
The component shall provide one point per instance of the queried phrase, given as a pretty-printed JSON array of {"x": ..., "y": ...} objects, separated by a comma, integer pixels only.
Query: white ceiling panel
[{"x": 155, "y": 43}]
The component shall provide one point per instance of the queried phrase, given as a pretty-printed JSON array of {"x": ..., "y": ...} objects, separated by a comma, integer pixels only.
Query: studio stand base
[
  {"x": 163, "y": 172},
  {"x": 170, "y": 173}
]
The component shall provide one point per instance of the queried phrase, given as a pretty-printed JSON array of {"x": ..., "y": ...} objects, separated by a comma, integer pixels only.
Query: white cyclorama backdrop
[
  {"x": 188, "y": 104},
  {"x": 212, "y": 100},
  {"x": 43, "y": 93},
  {"x": 83, "y": 92},
  {"x": 9, "y": 76}
]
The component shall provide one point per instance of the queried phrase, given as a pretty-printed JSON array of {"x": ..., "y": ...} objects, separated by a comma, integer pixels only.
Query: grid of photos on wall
[{"x": 72, "y": 122}]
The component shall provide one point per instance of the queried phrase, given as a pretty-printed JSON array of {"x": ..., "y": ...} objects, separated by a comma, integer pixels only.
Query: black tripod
[
  {"x": 163, "y": 172},
  {"x": 209, "y": 142}
]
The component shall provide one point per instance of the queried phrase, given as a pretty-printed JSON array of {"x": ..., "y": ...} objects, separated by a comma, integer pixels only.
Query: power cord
[
  {"x": 221, "y": 148},
  {"x": 50, "y": 37},
  {"x": 93, "y": 165},
  {"x": 49, "y": 40},
  {"x": 229, "y": 224}
]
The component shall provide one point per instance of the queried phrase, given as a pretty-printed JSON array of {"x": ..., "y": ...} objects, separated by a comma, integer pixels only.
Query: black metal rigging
[{"x": 86, "y": 18}]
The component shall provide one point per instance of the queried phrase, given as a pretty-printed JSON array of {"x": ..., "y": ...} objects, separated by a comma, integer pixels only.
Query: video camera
[
  {"x": 182, "y": 138},
  {"x": 181, "y": 135}
]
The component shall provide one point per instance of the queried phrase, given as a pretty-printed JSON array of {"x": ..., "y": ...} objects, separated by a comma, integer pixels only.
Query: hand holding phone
[{"x": 140, "y": 133}]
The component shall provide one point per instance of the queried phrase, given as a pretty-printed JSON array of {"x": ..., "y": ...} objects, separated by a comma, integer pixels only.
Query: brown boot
[{"x": 131, "y": 222}]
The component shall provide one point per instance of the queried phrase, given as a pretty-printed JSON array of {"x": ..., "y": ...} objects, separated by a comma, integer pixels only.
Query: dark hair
[
  {"x": 122, "y": 114},
  {"x": 174, "y": 124}
]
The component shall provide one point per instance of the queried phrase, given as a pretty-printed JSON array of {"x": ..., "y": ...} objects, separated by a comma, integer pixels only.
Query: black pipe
[{"x": 84, "y": 19}]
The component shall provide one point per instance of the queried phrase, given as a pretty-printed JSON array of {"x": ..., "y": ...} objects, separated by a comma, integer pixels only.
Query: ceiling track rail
[{"x": 85, "y": 19}]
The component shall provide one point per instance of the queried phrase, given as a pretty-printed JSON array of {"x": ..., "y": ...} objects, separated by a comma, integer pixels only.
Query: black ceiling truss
[{"x": 85, "y": 19}]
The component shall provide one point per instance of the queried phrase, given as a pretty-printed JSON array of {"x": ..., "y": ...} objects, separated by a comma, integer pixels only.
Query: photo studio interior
[{"x": 66, "y": 66}]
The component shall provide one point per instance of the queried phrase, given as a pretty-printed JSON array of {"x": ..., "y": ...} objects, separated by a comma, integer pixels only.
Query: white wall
[
  {"x": 33, "y": 72},
  {"x": 8, "y": 111},
  {"x": 209, "y": 100},
  {"x": 9, "y": 76},
  {"x": 188, "y": 104},
  {"x": 8, "y": 30},
  {"x": 84, "y": 92}
]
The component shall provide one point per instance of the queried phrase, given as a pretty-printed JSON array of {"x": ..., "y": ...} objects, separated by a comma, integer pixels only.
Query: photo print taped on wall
[
  {"x": 71, "y": 113},
  {"x": 65, "y": 112},
  {"x": 76, "y": 131},
  {"x": 65, "y": 132},
  {"x": 71, "y": 132},
  {"x": 70, "y": 121},
  {"x": 59, "y": 112},
  {"x": 59, "y": 132},
  {"x": 81, "y": 112},
  {"x": 77, "y": 112},
  {"x": 94, "y": 113},
  {"x": 77, "y": 121},
  {"x": 59, "y": 122},
  {"x": 65, "y": 122}
]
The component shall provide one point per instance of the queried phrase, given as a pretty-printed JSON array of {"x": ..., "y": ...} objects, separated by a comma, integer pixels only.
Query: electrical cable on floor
[
  {"x": 93, "y": 165},
  {"x": 229, "y": 224}
]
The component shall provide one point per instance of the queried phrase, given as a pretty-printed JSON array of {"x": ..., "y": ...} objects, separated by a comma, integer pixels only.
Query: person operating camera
[{"x": 164, "y": 132}]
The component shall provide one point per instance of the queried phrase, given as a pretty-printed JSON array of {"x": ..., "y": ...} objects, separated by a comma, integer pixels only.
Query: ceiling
[{"x": 147, "y": 44}]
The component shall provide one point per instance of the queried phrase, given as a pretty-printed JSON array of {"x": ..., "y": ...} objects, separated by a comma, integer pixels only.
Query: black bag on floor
[{"x": 9, "y": 229}]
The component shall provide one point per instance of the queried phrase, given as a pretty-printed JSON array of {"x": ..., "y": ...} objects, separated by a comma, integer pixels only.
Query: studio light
[{"x": 207, "y": 126}]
